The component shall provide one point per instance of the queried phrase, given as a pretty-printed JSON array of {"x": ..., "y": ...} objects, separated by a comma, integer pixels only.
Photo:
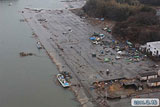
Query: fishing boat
[
  {"x": 62, "y": 80},
  {"x": 39, "y": 46}
]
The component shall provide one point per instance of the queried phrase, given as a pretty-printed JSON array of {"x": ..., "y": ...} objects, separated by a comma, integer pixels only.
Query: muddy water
[{"x": 28, "y": 81}]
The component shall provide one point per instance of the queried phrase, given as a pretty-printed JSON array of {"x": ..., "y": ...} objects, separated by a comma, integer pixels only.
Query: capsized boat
[
  {"x": 62, "y": 80},
  {"x": 39, "y": 46}
]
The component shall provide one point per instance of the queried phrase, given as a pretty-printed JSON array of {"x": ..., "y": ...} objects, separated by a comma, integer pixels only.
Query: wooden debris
[{"x": 23, "y": 54}]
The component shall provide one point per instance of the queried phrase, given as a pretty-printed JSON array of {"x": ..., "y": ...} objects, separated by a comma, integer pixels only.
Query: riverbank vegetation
[
  {"x": 117, "y": 10},
  {"x": 135, "y": 21},
  {"x": 140, "y": 28}
]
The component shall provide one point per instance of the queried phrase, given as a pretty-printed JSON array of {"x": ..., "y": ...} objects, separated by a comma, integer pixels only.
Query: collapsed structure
[
  {"x": 147, "y": 75},
  {"x": 153, "y": 82}
]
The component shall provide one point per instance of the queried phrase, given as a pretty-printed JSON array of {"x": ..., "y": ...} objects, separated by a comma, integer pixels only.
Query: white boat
[
  {"x": 62, "y": 80},
  {"x": 39, "y": 46}
]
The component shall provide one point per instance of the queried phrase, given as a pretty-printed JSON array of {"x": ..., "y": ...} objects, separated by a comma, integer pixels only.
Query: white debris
[
  {"x": 10, "y": 4},
  {"x": 121, "y": 53},
  {"x": 118, "y": 57}
]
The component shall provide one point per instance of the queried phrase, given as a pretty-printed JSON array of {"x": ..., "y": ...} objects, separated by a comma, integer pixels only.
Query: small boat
[
  {"x": 39, "y": 46},
  {"x": 62, "y": 80}
]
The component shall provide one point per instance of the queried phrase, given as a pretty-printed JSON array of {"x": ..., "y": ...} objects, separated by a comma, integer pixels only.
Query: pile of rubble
[
  {"x": 123, "y": 50},
  {"x": 126, "y": 87},
  {"x": 96, "y": 38},
  {"x": 129, "y": 50}
]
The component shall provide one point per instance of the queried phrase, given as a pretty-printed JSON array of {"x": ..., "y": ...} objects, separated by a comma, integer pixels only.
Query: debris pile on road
[
  {"x": 126, "y": 49},
  {"x": 96, "y": 38},
  {"x": 106, "y": 28}
]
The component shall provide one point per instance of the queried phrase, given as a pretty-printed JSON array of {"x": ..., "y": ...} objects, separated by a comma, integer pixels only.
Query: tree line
[{"x": 136, "y": 21}]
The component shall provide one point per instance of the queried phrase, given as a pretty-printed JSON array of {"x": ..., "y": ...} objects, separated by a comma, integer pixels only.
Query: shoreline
[
  {"x": 65, "y": 37},
  {"x": 56, "y": 58}
]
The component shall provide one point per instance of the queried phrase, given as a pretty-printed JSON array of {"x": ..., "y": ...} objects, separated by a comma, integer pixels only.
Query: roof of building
[
  {"x": 148, "y": 74},
  {"x": 131, "y": 82},
  {"x": 154, "y": 80},
  {"x": 154, "y": 44}
]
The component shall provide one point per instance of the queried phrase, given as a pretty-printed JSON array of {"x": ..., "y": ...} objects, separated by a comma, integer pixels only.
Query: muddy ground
[{"x": 65, "y": 36}]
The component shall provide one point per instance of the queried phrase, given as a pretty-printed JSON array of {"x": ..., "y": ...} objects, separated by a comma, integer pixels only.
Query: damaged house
[
  {"x": 154, "y": 82},
  {"x": 132, "y": 84},
  {"x": 147, "y": 75}
]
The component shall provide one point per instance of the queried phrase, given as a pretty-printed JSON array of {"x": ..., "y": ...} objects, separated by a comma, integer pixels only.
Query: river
[{"x": 28, "y": 81}]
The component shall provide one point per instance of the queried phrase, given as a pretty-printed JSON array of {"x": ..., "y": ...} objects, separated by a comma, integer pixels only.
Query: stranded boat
[
  {"x": 39, "y": 46},
  {"x": 62, "y": 80}
]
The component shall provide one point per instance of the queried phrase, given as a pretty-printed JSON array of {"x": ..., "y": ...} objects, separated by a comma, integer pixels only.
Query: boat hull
[
  {"x": 62, "y": 81},
  {"x": 39, "y": 46}
]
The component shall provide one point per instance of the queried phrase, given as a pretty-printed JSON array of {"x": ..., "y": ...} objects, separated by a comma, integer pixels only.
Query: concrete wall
[{"x": 150, "y": 48}]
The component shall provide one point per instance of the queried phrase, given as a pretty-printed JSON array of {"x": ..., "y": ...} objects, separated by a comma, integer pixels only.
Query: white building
[{"x": 153, "y": 48}]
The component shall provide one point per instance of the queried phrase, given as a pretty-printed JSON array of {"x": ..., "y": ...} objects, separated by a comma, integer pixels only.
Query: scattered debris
[
  {"x": 23, "y": 54},
  {"x": 42, "y": 20},
  {"x": 96, "y": 38},
  {"x": 64, "y": 33},
  {"x": 102, "y": 19},
  {"x": 118, "y": 57},
  {"x": 102, "y": 52},
  {"x": 106, "y": 59},
  {"x": 121, "y": 53},
  {"x": 92, "y": 38},
  {"x": 93, "y": 54},
  {"x": 107, "y": 72},
  {"x": 96, "y": 42},
  {"x": 109, "y": 30},
  {"x": 66, "y": 75}
]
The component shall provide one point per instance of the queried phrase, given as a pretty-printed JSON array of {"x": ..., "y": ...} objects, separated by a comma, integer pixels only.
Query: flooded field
[{"x": 28, "y": 81}]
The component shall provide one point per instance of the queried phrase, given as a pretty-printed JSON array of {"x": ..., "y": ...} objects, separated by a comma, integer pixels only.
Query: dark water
[{"x": 29, "y": 81}]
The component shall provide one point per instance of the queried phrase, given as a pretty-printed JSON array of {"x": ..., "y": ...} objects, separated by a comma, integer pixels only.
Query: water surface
[{"x": 28, "y": 81}]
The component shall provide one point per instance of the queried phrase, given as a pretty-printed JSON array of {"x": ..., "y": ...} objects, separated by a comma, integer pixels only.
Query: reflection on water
[{"x": 29, "y": 81}]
